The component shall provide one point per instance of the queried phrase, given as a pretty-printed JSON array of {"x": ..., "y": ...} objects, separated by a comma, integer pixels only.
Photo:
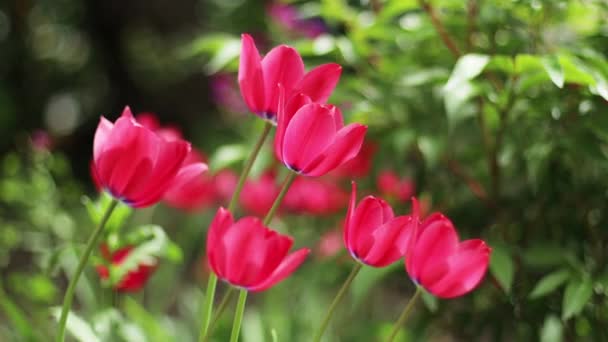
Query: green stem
[
  {"x": 69, "y": 294},
  {"x": 220, "y": 310},
  {"x": 248, "y": 165},
  {"x": 404, "y": 315},
  {"x": 277, "y": 202},
  {"x": 238, "y": 316},
  {"x": 337, "y": 300},
  {"x": 212, "y": 282}
]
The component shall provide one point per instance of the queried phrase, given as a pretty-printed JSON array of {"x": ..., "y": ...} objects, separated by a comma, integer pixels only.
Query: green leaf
[
  {"x": 501, "y": 266},
  {"x": 76, "y": 326},
  {"x": 549, "y": 283},
  {"x": 502, "y": 63},
  {"x": 156, "y": 245},
  {"x": 525, "y": 63},
  {"x": 456, "y": 101},
  {"x": 553, "y": 69},
  {"x": 96, "y": 209},
  {"x": 226, "y": 156},
  {"x": 467, "y": 68},
  {"x": 150, "y": 324},
  {"x": 552, "y": 330},
  {"x": 577, "y": 294},
  {"x": 431, "y": 302}
]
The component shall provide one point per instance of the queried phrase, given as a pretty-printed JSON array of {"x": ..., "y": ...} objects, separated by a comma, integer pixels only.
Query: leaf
[
  {"x": 525, "y": 63},
  {"x": 79, "y": 328},
  {"x": 552, "y": 330},
  {"x": 502, "y": 63},
  {"x": 554, "y": 70},
  {"x": 150, "y": 324},
  {"x": 577, "y": 294},
  {"x": 467, "y": 68},
  {"x": 501, "y": 266},
  {"x": 226, "y": 156},
  {"x": 156, "y": 245},
  {"x": 96, "y": 209},
  {"x": 549, "y": 283},
  {"x": 431, "y": 302},
  {"x": 456, "y": 101}
]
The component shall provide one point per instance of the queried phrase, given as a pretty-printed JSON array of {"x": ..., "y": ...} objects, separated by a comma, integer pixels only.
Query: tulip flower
[
  {"x": 134, "y": 164},
  {"x": 372, "y": 233},
  {"x": 259, "y": 195},
  {"x": 135, "y": 279},
  {"x": 314, "y": 196},
  {"x": 259, "y": 78},
  {"x": 445, "y": 267},
  {"x": 224, "y": 183},
  {"x": 390, "y": 185},
  {"x": 311, "y": 138},
  {"x": 249, "y": 255},
  {"x": 360, "y": 165}
]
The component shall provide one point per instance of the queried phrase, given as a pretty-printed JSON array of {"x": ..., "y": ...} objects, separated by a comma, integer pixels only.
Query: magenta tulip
[
  {"x": 249, "y": 255},
  {"x": 134, "y": 164},
  {"x": 311, "y": 138},
  {"x": 445, "y": 267},
  {"x": 372, "y": 233},
  {"x": 259, "y": 78}
]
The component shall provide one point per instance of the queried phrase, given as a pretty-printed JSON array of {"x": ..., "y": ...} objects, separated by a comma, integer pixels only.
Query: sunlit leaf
[
  {"x": 467, "y": 68},
  {"x": 554, "y": 70},
  {"x": 576, "y": 296},
  {"x": 552, "y": 330},
  {"x": 80, "y": 329},
  {"x": 549, "y": 283}
]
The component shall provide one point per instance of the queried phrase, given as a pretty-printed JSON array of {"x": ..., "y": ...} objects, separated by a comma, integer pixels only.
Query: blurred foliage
[{"x": 496, "y": 109}]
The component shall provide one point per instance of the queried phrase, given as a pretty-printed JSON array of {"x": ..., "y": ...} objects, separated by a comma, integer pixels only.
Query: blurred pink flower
[
  {"x": 315, "y": 196},
  {"x": 391, "y": 186},
  {"x": 330, "y": 244},
  {"x": 225, "y": 93},
  {"x": 258, "y": 195},
  {"x": 288, "y": 17}
]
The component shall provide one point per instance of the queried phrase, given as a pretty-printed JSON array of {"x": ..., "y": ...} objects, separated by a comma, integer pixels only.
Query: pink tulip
[
  {"x": 314, "y": 196},
  {"x": 134, "y": 164},
  {"x": 247, "y": 254},
  {"x": 259, "y": 194},
  {"x": 437, "y": 261},
  {"x": 390, "y": 185},
  {"x": 259, "y": 78},
  {"x": 372, "y": 233},
  {"x": 311, "y": 138},
  {"x": 224, "y": 183}
]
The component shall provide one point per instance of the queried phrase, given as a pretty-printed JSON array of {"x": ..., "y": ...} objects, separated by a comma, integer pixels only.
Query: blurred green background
[{"x": 495, "y": 110}]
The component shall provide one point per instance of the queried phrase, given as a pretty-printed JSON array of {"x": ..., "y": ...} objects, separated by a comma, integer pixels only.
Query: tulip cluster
[{"x": 139, "y": 162}]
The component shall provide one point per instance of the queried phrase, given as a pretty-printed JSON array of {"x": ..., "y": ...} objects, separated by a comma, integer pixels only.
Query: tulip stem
[
  {"x": 337, "y": 300},
  {"x": 277, "y": 202},
  {"x": 69, "y": 294},
  {"x": 404, "y": 315},
  {"x": 238, "y": 316},
  {"x": 212, "y": 282},
  {"x": 248, "y": 165},
  {"x": 220, "y": 310}
]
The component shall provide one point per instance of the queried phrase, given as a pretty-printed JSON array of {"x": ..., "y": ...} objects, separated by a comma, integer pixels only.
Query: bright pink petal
[
  {"x": 350, "y": 245},
  {"x": 369, "y": 215},
  {"x": 308, "y": 134},
  {"x": 346, "y": 145},
  {"x": 436, "y": 243},
  {"x": 287, "y": 266},
  {"x": 286, "y": 111},
  {"x": 282, "y": 65},
  {"x": 320, "y": 82},
  {"x": 251, "y": 78},
  {"x": 104, "y": 128},
  {"x": 385, "y": 249},
  {"x": 221, "y": 222},
  {"x": 467, "y": 268}
]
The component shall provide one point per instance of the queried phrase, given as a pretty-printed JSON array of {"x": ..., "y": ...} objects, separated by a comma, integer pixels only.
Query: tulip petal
[
  {"x": 282, "y": 65},
  {"x": 345, "y": 147},
  {"x": 467, "y": 268},
  {"x": 385, "y": 248},
  {"x": 286, "y": 111},
  {"x": 320, "y": 82},
  {"x": 104, "y": 129},
  {"x": 221, "y": 222},
  {"x": 350, "y": 245},
  {"x": 251, "y": 78},
  {"x": 435, "y": 244},
  {"x": 370, "y": 214},
  {"x": 287, "y": 266},
  {"x": 308, "y": 134}
]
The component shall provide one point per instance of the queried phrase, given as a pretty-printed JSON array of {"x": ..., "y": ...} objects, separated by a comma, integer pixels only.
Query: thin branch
[
  {"x": 443, "y": 33},
  {"x": 472, "y": 12}
]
